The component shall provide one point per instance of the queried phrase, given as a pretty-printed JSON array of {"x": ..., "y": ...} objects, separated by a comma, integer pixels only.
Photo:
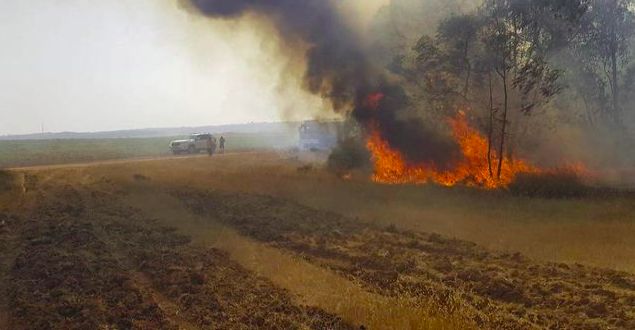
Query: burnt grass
[
  {"x": 81, "y": 260},
  {"x": 491, "y": 290},
  {"x": 6, "y": 180}
]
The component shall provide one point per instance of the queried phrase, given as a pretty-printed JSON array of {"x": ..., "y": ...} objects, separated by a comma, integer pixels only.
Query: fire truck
[
  {"x": 319, "y": 135},
  {"x": 316, "y": 135}
]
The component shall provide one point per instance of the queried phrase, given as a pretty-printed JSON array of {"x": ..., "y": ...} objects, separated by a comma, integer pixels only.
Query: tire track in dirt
[
  {"x": 502, "y": 291},
  {"x": 170, "y": 308},
  {"x": 210, "y": 290},
  {"x": 313, "y": 285}
]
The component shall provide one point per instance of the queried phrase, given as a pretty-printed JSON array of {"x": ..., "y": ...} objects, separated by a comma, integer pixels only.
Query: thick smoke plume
[{"x": 339, "y": 69}]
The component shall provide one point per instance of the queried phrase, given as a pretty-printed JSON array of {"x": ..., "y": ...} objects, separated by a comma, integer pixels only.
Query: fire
[
  {"x": 473, "y": 169},
  {"x": 372, "y": 101}
]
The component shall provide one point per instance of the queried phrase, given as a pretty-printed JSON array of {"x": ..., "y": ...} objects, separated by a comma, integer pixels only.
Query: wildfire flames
[{"x": 473, "y": 169}]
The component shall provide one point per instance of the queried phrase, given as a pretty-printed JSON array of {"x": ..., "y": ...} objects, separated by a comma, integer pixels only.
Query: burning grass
[{"x": 474, "y": 168}]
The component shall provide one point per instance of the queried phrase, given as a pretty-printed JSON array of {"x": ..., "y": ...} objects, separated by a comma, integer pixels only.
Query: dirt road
[{"x": 113, "y": 162}]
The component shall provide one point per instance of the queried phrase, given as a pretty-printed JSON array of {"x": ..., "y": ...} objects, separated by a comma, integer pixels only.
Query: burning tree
[
  {"x": 501, "y": 52},
  {"x": 515, "y": 45}
]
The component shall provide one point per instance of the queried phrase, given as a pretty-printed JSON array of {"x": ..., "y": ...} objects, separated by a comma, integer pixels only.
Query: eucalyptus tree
[{"x": 603, "y": 48}]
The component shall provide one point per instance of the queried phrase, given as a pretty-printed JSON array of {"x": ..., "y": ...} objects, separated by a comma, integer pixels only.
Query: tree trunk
[
  {"x": 616, "y": 106},
  {"x": 490, "y": 130},
  {"x": 501, "y": 148},
  {"x": 468, "y": 67},
  {"x": 613, "y": 49},
  {"x": 588, "y": 111}
]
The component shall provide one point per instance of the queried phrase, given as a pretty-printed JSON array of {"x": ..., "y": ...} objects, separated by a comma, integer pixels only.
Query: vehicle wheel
[{"x": 191, "y": 149}]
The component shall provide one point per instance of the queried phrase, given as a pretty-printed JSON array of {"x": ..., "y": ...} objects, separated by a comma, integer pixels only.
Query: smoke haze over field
[
  {"x": 339, "y": 68},
  {"x": 125, "y": 64},
  {"x": 74, "y": 66}
]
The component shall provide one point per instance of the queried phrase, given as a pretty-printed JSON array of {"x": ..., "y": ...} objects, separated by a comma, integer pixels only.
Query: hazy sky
[{"x": 76, "y": 65}]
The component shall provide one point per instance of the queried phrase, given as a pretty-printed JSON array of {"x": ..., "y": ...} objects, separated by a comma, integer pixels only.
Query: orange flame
[{"x": 473, "y": 169}]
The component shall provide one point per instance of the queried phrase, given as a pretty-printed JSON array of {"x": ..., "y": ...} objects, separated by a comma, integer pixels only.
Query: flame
[
  {"x": 473, "y": 169},
  {"x": 373, "y": 100}
]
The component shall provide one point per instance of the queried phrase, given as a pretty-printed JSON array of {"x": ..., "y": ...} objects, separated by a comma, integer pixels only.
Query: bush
[
  {"x": 349, "y": 155},
  {"x": 557, "y": 184}
]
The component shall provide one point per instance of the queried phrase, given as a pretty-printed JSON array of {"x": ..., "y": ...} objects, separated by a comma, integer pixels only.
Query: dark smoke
[
  {"x": 338, "y": 69},
  {"x": 416, "y": 139}
]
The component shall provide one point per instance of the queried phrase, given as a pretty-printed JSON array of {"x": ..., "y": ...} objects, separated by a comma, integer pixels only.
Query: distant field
[{"x": 46, "y": 152}]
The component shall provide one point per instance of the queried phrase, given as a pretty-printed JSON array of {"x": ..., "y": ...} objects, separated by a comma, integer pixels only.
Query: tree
[
  {"x": 459, "y": 35},
  {"x": 446, "y": 66},
  {"x": 607, "y": 31},
  {"x": 516, "y": 47},
  {"x": 496, "y": 59}
]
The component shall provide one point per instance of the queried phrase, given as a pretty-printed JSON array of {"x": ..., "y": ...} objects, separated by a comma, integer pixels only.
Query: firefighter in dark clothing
[
  {"x": 222, "y": 145},
  {"x": 210, "y": 146}
]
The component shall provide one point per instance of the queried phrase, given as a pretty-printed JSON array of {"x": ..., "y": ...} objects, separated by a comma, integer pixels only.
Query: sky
[{"x": 76, "y": 65}]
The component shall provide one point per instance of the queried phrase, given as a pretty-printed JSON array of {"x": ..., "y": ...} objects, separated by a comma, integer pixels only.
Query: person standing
[
  {"x": 210, "y": 145},
  {"x": 222, "y": 144}
]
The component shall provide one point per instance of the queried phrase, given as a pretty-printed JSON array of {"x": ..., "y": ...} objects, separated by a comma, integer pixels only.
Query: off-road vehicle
[{"x": 194, "y": 144}]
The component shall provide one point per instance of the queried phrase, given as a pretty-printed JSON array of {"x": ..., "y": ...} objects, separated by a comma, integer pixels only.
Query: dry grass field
[
  {"x": 65, "y": 151},
  {"x": 272, "y": 240},
  {"x": 597, "y": 231}
]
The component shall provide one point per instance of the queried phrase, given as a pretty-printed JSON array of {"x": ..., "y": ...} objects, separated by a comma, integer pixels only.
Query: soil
[
  {"x": 80, "y": 259},
  {"x": 493, "y": 290},
  {"x": 75, "y": 253}
]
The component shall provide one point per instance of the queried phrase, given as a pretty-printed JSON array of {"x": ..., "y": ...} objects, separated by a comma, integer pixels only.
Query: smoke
[{"x": 339, "y": 69}]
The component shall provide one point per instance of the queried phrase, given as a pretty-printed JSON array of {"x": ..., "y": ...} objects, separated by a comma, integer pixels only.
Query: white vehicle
[{"x": 194, "y": 144}]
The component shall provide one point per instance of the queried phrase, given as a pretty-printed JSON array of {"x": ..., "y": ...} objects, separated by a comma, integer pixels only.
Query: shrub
[
  {"x": 556, "y": 184},
  {"x": 349, "y": 155}
]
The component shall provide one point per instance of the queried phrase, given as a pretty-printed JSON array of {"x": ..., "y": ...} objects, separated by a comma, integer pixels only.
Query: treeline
[{"x": 524, "y": 69}]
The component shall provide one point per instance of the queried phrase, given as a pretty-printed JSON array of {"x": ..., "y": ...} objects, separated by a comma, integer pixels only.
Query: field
[
  {"x": 65, "y": 151},
  {"x": 269, "y": 239}
]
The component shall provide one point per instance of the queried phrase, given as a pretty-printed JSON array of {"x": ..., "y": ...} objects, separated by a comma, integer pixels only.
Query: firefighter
[
  {"x": 210, "y": 145},
  {"x": 222, "y": 145}
]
